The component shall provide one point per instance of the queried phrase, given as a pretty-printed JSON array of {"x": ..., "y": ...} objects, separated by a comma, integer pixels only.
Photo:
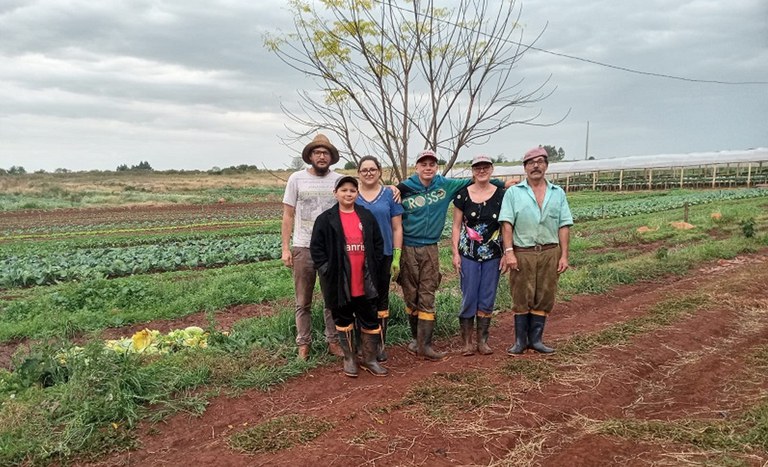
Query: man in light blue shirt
[{"x": 536, "y": 224}]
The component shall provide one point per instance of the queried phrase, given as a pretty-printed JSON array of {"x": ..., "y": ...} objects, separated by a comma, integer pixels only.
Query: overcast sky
[{"x": 187, "y": 84}]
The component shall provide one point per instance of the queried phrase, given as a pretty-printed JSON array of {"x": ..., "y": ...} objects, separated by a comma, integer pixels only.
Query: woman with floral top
[{"x": 477, "y": 252}]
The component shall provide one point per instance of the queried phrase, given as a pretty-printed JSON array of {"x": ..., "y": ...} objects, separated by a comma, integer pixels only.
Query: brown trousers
[
  {"x": 419, "y": 278},
  {"x": 304, "y": 277},
  {"x": 534, "y": 286}
]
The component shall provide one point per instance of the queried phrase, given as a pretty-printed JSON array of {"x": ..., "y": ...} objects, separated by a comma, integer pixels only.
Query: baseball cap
[
  {"x": 481, "y": 159},
  {"x": 345, "y": 179},
  {"x": 426, "y": 154},
  {"x": 534, "y": 153}
]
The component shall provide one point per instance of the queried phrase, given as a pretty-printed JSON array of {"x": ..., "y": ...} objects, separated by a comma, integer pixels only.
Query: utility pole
[{"x": 586, "y": 148}]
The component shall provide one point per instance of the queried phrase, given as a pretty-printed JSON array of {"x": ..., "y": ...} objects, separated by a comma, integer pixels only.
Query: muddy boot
[
  {"x": 413, "y": 346},
  {"x": 535, "y": 331},
  {"x": 347, "y": 342},
  {"x": 425, "y": 330},
  {"x": 466, "y": 325},
  {"x": 482, "y": 335},
  {"x": 521, "y": 335},
  {"x": 382, "y": 354},
  {"x": 371, "y": 341}
]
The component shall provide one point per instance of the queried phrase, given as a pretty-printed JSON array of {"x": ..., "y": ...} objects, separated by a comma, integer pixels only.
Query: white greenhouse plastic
[{"x": 757, "y": 156}]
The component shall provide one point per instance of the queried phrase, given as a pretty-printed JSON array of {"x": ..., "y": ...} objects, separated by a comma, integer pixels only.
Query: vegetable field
[{"x": 164, "y": 334}]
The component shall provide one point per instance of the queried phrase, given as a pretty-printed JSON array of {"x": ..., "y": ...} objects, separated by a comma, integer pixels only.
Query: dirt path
[{"x": 694, "y": 367}]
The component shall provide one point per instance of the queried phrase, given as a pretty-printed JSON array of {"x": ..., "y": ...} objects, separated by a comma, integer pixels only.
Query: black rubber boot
[
  {"x": 370, "y": 350},
  {"x": 413, "y": 346},
  {"x": 426, "y": 329},
  {"x": 467, "y": 325},
  {"x": 521, "y": 335},
  {"x": 383, "y": 325},
  {"x": 535, "y": 331},
  {"x": 357, "y": 346},
  {"x": 347, "y": 342},
  {"x": 482, "y": 335}
]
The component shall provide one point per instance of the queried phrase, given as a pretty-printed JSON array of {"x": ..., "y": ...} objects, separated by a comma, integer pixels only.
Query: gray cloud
[{"x": 189, "y": 85}]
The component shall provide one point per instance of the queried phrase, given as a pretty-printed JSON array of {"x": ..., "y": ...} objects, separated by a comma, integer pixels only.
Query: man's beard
[{"x": 321, "y": 170}]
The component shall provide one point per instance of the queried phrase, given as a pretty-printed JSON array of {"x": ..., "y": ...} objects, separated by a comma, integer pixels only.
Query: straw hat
[{"x": 320, "y": 141}]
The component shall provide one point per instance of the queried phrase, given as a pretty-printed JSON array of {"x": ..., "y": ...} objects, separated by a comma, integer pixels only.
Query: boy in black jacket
[{"x": 348, "y": 251}]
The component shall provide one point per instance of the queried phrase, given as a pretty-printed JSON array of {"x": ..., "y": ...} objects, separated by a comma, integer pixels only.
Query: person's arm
[
  {"x": 318, "y": 247},
  {"x": 458, "y": 216},
  {"x": 564, "y": 235},
  {"x": 286, "y": 229},
  {"x": 509, "y": 263}
]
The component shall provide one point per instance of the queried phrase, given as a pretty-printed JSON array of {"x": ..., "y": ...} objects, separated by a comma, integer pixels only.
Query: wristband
[{"x": 507, "y": 250}]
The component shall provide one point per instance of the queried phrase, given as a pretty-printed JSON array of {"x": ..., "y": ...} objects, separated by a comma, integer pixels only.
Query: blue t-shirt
[{"x": 383, "y": 208}]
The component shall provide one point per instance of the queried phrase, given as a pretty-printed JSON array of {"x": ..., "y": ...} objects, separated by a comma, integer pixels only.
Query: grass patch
[
  {"x": 537, "y": 371},
  {"x": 363, "y": 438},
  {"x": 701, "y": 434},
  {"x": 444, "y": 394},
  {"x": 279, "y": 433},
  {"x": 662, "y": 314},
  {"x": 745, "y": 433}
]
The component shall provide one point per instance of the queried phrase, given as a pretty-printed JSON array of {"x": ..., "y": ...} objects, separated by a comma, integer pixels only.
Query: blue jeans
[{"x": 479, "y": 280}]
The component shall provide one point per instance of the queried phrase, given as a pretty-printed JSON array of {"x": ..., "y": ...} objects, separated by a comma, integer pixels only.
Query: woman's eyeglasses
[{"x": 368, "y": 171}]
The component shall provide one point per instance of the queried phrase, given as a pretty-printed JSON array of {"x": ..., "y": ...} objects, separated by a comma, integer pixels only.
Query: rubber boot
[
  {"x": 382, "y": 354},
  {"x": 358, "y": 340},
  {"x": 521, "y": 335},
  {"x": 347, "y": 342},
  {"x": 466, "y": 325},
  {"x": 425, "y": 330},
  {"x": 535, "y": 331},
  {"x": 413, "y": 346},
  {"x": 483, "y": 323},
  {"x": 370, "y": 350}
]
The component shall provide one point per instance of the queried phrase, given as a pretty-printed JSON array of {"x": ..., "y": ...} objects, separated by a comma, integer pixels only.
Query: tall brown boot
[
  {"x": 425, "y": 331},
  {"x": 347, "y": 342},
  {"x": 383, "y": 325},
  {"x": 413, "y": 346},
  {"x": 466, "y": 325},
  {"x": 370, "y": 341},
  {"x": 483, "y": 323}
]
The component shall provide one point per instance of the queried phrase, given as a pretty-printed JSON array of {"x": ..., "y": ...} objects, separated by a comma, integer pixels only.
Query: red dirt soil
[{"x": 687, "y": 369}]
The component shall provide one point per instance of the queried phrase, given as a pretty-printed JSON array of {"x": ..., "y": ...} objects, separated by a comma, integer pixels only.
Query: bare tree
[{"x": 391, "y": 77}]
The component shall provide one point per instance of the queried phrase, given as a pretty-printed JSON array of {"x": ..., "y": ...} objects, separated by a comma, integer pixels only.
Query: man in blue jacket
[{"x": 426, "y": 196}]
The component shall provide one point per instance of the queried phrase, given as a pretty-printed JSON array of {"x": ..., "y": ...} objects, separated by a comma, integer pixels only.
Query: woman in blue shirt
[{"x": 379, "y": 200}]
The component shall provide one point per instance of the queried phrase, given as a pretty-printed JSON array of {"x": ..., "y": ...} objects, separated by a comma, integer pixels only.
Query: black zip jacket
[{"x": 329, "y": 253}]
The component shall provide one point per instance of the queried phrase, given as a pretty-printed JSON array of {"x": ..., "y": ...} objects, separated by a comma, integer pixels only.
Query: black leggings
[{"x": 385, "y": 275}]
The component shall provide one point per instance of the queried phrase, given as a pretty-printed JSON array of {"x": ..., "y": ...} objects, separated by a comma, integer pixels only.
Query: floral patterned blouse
[{"x": 480, "y": 237}]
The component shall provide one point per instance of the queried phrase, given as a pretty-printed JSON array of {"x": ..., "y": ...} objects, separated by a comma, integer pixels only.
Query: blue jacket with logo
[{"x": 426, "y": 207}]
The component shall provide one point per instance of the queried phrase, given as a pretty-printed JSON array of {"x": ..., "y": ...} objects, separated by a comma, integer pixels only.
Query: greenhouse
[{"x": 662, "y": 171}]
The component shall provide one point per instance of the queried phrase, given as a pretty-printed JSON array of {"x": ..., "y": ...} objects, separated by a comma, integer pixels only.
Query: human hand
[
  {"x": 395, "y": 269},
  {"x": 395, "y": 193},
  {"x": 457, "y": 262},
  {"x": 562, "y": 265},
  {"x": 510, "y": 261},
  {"x": 287, "y": 258}
]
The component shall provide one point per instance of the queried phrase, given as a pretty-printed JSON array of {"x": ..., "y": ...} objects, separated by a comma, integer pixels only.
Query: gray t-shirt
[{"x": 309, "y": 195}]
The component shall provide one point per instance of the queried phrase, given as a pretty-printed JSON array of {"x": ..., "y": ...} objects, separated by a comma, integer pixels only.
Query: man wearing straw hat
[{"x": 308, "y": 193}]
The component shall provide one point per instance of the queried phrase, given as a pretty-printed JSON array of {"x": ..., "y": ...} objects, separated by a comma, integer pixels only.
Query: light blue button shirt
[{"x": 534, "y": 226}]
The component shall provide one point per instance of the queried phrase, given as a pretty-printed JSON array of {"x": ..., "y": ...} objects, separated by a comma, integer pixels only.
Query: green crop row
[
  {"x": 34, "y": 268},
  {"x": 633, "y": 207}
]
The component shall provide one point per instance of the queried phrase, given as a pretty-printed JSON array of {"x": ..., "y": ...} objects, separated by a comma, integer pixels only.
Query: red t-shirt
[{"x": 353, "y": 234}]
